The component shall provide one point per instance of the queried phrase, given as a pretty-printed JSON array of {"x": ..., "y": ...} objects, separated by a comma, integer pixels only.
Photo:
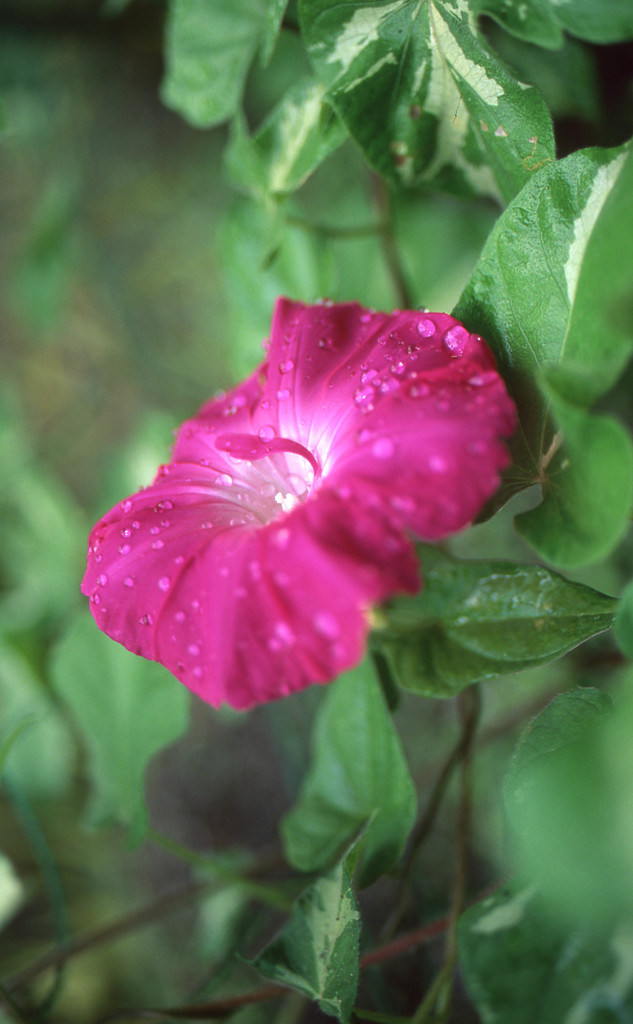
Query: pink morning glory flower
[{"x": 250, "y": 565}]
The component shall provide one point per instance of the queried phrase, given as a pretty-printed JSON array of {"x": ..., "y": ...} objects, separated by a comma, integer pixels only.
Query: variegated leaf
[{"x": 424, "y": 98}]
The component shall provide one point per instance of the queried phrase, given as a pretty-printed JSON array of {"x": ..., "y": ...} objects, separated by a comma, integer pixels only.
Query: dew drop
[
  {"x": 368, "y": 376},
  {"x": 146, "y": 620},
  {"x": 398, "y": 368},
  {"x": 224, "y": 479},
  {"x": 363, "y": 398},
  {"x": 425, "y": 328},
  {"x": 481, "y": 379},
  {"x": 124, "y": 549},
  {"x": 364, "y": 435},
  {"x": 180, "y": 616},
  {"x": 102, "y": 579},
  {"x": 193, "y": 650},
  {"x": 326, "y": 343},
  {"x": 283, "y": 394},
  {"x": 136, "y": 525},
  {"x": 128, "y": 581},
  {"x": 127, "y": 505},
  {"x": 454, "y": 341},
  {"x": 179, "y": 559},
  {"x": 95, "y": 599},
  {"x": 266, "y": 433},
  {"x": 383, "y": 448},
  {"x": 164, "y": 583},
  {"x": 165, "y": 523},
  {"x": 326, "y": 624},
  {"x": 164, "y": 506},
  {"x": 158, "y": 544},
  {"x": 286, "y": 366},
  {"x": 365, "y": 318},
  {"x": 126, "y": 532},
  {"x": 197, "y": 672}
]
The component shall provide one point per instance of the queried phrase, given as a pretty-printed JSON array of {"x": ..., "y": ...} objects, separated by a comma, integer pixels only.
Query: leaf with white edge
[
  {"x": 521, "y": 966},
  {"x": 317, "y": 951},
  {"x": 587, "y": 490},
  {"x": 209, "y": 47},
  {"x": 298, "y": 136},
  {"x": 127, "y": 710},
  {"x": 479, "y": 620},
  {"x": 358, "y": 777},
  {"x": 548, "y": 294},
  {"x": 423, "y": 97},
  {"x": 624, "y": 622}
]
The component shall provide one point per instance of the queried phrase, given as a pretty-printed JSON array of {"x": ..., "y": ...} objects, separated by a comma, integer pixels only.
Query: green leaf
[
  {"x": 299, "y": 134},
  {"x": 610, "y": 21},
  {"x": 358, "y": 776},
  {"x": 127, "y": 709},
  {"x": 521, "y": 966},
  {"x": 317, "y": 951},
  {"x": 535, "y": 21},
  {"x": 272, "y": 27},
  {"x": 478, "y": 620},
  {"x": 36, "y": 747},
  {"x": 548, "y": 294},
  {"x": 209, "y": 47},
  {"x": 624, "y": 622},
  {"x": 587, "y": 490},
  {"x": 258, "y": 245},
  {"x": 423, "y": 97},
  {"x": 11, "y": 891},
  {"x": 568, "y": 796}
]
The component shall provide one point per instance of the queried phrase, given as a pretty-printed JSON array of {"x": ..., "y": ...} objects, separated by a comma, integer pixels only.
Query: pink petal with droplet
[{"x": 248, "y": 568}]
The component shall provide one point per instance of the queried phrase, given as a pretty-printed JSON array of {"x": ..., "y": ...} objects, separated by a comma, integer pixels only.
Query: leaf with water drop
[
  {"x": 358, "y": 777},
  {"x": 317, "y": 951},
  {"x": 480, "y": 620},
  {"x": 423, "y": 96},
  {"x": 552, "y": 296},
  {"x": 127, "y": 710},
  {"x": 208, "y": 50}
]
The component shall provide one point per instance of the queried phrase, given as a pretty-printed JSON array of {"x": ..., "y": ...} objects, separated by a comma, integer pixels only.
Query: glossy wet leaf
[
  {"x": 358, "y": 777},
  {"x": 298, "y": 135},
  {"x": 208, "y": 50},
  {"x": 479, "y": 620},
  {"x": 551, "y": 295},
  {"x": 543, "y": 21},
  {"x": 317, "y": 951},
  {"x": 423, "y": 97},
  {"x": 126, "y": 709},
  {"x": 521, "y": 966}
]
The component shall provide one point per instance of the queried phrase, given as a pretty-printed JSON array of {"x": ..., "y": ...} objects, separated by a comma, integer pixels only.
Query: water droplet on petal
[
  {"x": 481, "y": 379},
  {"x": 124, "y": 549},
  {"x": 283, "y": 394},
  {"x": 164, "y": 506},
  {"x": 146, "y": 620},
  {"x": 197, "y": 672},
  {"x": 327, "y": 625},
  {"x": 179, "y": 559},
  {"x": 128, "y": 581},
  {"x": 102, "y": 579},
  {"x": 365, "y": 318},
  {"x": 364, "y": 435},
  {"x": 164, "y": 583},
  {"x": 136, "y": 525},
  {"x": 368, "y": 376},
  {"x": 286, "y": 366},
  {"x": 383, "y": 448},
  {"x": 224, "y": 479},
  {"x": 126, "y": 532},
  {"x": 127, "y": 505},
  {"x": 325, "y": 343},
  {"x": 180, "y": 616},
  {"x": 426, "y": 328},
  {"x": 193, "y": 650},
  {"x": 266, "y": 433},
  {"x": 363, "y": 398},
  {"x": 158, "y": 544},
  {"x": 454, "y": 341}
]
